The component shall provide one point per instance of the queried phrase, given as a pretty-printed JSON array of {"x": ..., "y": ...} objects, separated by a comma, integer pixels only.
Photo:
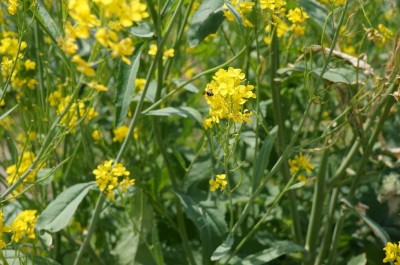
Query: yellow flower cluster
[
  {"x": 334, "y": 2},
  {"x": 299, "y": 165},
  {"x": 24, "y": 225},
  {"x": 276, "y": 6},
  {"x": 243, "y": 8},
  {"x": 120, "y": 133},
  {"x": 219, "y": 182},
  {"x": 296, "y": 16},
  {"x": 380, "y": 35},
  {"x": 12, "y": 6},
  {"x": 392, "y": 253},
  {"x": 116, "y": 13},
  {"x": 3, "y": 229},
  {"x": 16, "y": 170},
  {"x": 76, "y": 112},
  {"x": 110, "y": 176},
  {"x": 226, "y": 96},
  {"x": 167, "y": 52}
]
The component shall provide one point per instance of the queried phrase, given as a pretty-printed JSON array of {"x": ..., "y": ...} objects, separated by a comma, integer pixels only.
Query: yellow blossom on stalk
[
  {"x": 127, "y": 11},
  {"x": 6, "y": 123},
  {"x": 77, "y": 111},
  {"x": 219, "y": 182},
  {"x": 226, "y": 96},
  {"x": 334, "y": 2},
  {"x": 2, "y": 103},
  {"x": 16, "y": 170},
  {"x": 96, "y": 135},
  {"x": 123, "y": 48},
  {"x": 297, "y": 15},
  {"x": 12, "y": 6},
  {"x": 207, "y": 123},
  {"x": 300, "y": 164},
  {"x": 139, "y": 84},
  {"x": 153, "y": 50},
  {"x": 276, "y": 6},
  {"x": 10, "y": 45},
  {"x": 98, "y": 86},
  {"x": 392, "y": 253},
  {"x": 106, "y": 36},
  {"x": 29, "y": 65},
  {"x": 110, "y": 176},
  {"x": 3, "y": 229},
  {"x": 168, "y": 53},
  {"x": 387, "y": 34},
  {"x": 243, "y": 8},
  {"x": 120, "y": 133},
  {"x": 79, "y": 10},
  {"x": 83, "y": 66},
  {"x": 24, "y": 225}
]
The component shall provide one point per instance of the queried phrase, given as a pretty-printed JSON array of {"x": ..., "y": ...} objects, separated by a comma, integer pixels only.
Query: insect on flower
[{"x": 208, "y": 92}]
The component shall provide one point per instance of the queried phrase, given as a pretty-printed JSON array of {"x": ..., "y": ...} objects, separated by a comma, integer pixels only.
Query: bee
[{"x": 208, "y": 93}]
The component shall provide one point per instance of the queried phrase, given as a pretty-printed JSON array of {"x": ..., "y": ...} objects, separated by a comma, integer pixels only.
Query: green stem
[
  {"x": 279, "y": 120},
  {"x": 314, "y": 224},
  {"x": 92, "y": 226}
]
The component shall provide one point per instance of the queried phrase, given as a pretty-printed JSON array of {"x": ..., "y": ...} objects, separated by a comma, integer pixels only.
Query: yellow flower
[
  {"x": 276, "y": 6},
  {"x": 387, "y": 34},
  {"x": 334, "y": 2},
  {"x": 30, "y": 65},
  {"x": 300, "y": 163},
  {"x": 153, "y": 50},
  {"x": 120, "y": 133},
  {"x": 123, "y": 48},
  {"x": 139, "y": 84},
  {"x": 243, "y": 8},
  {"x": 78, "y": 111},
  {"x": 219, "y": 182},
  {"x": 110, "y": 176},
  {"x": 207, "y": 123},
  {"x": 16, "y": 170},
  {"x": 392, "y": 253},
  {"x": 98, "y": 86},
  {"x": 168, "y": 53},
  {"x": 24, "y": 225},
  {"x": 297, "y": 15},
  {"x": 83, "y": 66},
  {"x": 12, "y": 6},
  {"x": 2, "y": 103},
  {"x": 226, "y": 96},
  {"x": 96, "y": 135},
  {"x": 3, "y": 229}
]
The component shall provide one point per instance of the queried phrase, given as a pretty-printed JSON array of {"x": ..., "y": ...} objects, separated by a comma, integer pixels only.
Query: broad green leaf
[
  {"x": 267, "y": 255},
  {"x": 184, "y": 112},
  {"x": 296, "y": 186},
  {"x": 47, "y": 22},
  {"x": 340, "y": 75},
  {"x": 358, "y": 260},
  {"x": 205, "y": 21},
  {"x": 143, "y": 30},
  {"x": 59, "y": 212},
  {"x": 126, "y": 87},
  {"x": 223, "y": 249},
  {"x": 13, "y": 257},
  {"x": 189, "y": 87},
  {"x": 262, "y": 160},
  {"x": 375, "y": 228},
  {"x": 208, "y": 217}
]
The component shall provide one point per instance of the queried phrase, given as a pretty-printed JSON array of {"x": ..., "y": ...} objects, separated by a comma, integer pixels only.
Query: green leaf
[
  {"x": 59, "y": 212},
  {"x": 339, "y": 75},
  {"x": 143, "y": 30},
  {"x": 13, "y": 257},
  {"x": 358, "y": 260},
  {"x": 375, "y": 228},
  {"x": 262, "y": 160},
  {"x": 189, "y": 87},
  {"x": 184, "y": 112},
  {"x": 47, "y": 22},
  {"x": 318, "y": 14},
  {"x": 279, "y": 249},
  {"x": 208, "y": 217},
  {"x": 205, "y": 21},
  {"x": 126, "y": 87},
  {"x": 223, "y": 249},
  {"x": 236, "y": 14},
  {"x": 5, "y": 114}
]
